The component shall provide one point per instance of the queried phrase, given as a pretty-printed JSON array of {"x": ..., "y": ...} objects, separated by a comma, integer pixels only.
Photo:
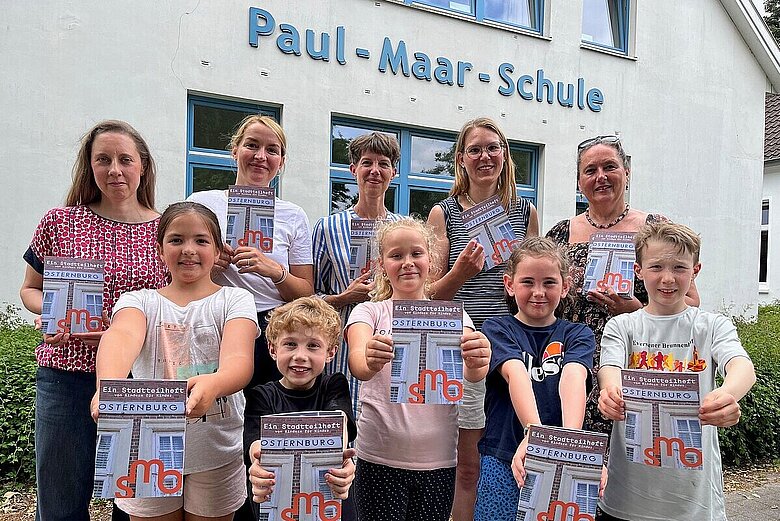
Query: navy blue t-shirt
[{"x": 544, "y": 351}]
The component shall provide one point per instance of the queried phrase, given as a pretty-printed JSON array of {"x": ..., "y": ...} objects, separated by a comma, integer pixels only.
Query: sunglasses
[{"x": 597, "y": 141}]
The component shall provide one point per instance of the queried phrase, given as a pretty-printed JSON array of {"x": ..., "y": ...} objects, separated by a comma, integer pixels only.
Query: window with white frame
[
  {"x": 633, "y": 436},
  {"x": 93, "y": 302},
  {"x": 270, "y": 509},
  {"x": 586, "y": 494},
  {"x": 527, "y": 499},
  {"x": 526, "y": 14},
  {"x": 591, "y": 269},
  {"x": 327, "y": 495},
  {"x": 763, "y": 262},
  {"x": 506, "y": 231},
  {"x": 605, "y": 23},
  {"x": 169, "y": 448},
  {"x": 231, "y": 225},
  {"x": 626, "y": 268},
  {"x": 264, "y": 224},
  {"x": 689, "y": 431},
  {"x": 49, "y": 299},
  {"x": 211, "y": 123},
  {"x": 398, "y": 383},
  {"x": 104, "y": 461},
  {"x": 426, "y": 169}
]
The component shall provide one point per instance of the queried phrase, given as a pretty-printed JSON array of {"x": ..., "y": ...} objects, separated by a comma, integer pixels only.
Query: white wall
[
  {"x": 689, "y": 107},
  {"x": 772, "y": 192}
]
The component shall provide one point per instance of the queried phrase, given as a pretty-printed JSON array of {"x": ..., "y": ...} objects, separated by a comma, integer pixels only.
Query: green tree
[{"x": 772, "y": 18}]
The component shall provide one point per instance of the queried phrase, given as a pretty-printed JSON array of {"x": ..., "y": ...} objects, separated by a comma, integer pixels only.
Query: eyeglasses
[
  {"x": 493, "y": 149},
  {"x": 597, "y": 141}
]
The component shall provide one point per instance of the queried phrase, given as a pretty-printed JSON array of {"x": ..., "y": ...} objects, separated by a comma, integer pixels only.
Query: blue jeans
[{"x": 65, "y": 437}]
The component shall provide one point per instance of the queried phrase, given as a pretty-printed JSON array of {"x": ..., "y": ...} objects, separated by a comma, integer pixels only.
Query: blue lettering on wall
[{"x": 320, "y": 45}]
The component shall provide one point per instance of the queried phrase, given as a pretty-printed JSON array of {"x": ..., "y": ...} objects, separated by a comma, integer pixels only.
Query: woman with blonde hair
[{"x": 483, "y": 169}]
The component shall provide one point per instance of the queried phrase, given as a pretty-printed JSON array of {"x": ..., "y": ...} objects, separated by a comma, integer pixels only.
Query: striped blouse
[
  {"x": 331, "y": 243},
  {"x": 483, "y": 294}
]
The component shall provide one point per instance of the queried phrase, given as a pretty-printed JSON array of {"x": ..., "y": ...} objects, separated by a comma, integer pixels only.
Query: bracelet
[{"x": 282, "y": 278}]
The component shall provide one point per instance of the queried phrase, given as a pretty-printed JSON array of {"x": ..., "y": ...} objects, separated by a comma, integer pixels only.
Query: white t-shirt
[
  {"x": 183, "y": 341},
  {"x": 407, "y": 436},
  {"x": 690, "y": 340},
  {"x": 292, "y": 246}
]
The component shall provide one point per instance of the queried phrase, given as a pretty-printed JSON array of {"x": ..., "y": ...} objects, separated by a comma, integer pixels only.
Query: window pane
[
  {"x": 600, "y": 22},
  {"x": 345, "y": 195},
  {"x": 764, "y": 213},
  {"x": 517, "y": 12},
  {"x": 421, "y": 201},
  {"x": 522, "y": 159},
  {"x": 211, "y": 178},
  {"x": 763, "y": 256},
  {"x": 214, "y": 126},
  {"x": 463, "y": 6},
  {"x": 341, "y": 135},
  {"x": 433, "y": 156}
]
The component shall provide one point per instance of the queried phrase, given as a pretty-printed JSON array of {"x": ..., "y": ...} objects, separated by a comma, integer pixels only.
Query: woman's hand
[
  {"x": 251, "y": 260},
  {"x": 225, "y": 258},
  {"x": 357, "y": 291},
  {"x": 262, "y": 480},
  {"x": 202, "y": 392},
  {"x": 613, "y": 303},
  {"x": 94, "y": 409},
  {"x": 470, "y": 261},
  {"x": 379, "y": 351},
  {"x": 340, "y": 479}
]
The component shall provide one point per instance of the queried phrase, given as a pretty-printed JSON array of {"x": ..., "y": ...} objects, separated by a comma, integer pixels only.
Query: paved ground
[{"x": 761, "y": 503}]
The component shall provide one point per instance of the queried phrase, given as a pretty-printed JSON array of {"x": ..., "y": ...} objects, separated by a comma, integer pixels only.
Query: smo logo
[
  {"x": 82, "y": 316},
  {"x": 251, "y": 237},
  {"x": 504, "y": 246},
  {"x": 124, "y": 482},
  {"x": 569, "y": 511},
  {"x": 653, "y": 454},
  {"x": 291, "y": 514},
  {"x": 417, "y": 390},
  {"x": 616, "y": 281}
]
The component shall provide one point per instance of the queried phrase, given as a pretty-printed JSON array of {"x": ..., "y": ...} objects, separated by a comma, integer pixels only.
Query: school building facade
[{"x": 682, "y": 83}]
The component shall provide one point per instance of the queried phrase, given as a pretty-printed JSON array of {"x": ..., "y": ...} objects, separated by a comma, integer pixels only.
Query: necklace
[
  {"x": 470, "y": 200},
  {"x": 609, "y": 224}
]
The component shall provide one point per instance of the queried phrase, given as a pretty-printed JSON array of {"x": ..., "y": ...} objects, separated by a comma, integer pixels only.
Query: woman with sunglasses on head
[
  {"x": 602, "y": 176},
  {"x": 483, "y": 168}
]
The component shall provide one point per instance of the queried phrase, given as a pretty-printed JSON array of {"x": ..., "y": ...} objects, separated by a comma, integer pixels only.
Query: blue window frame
[
  {"x": 210, "y": 125},
  {"x": 525, "y": 14},
  {"x": 605, "y": 23},
  {"x": 426, "y": 169}
]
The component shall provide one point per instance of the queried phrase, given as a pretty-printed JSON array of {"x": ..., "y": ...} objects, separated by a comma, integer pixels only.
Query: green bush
[
  {"x": 17, "y": 398},
  {"x": 756, "y": 438}
]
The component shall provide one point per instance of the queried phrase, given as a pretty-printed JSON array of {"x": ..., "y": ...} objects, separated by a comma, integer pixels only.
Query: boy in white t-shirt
[{"x": 669, "y": 335}]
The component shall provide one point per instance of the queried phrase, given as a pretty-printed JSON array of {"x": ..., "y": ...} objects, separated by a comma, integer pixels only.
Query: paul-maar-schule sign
[{"x": 396, "y": 58}]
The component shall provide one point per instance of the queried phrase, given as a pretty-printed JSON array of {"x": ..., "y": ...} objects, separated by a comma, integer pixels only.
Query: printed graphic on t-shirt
[
  {"x": 549, "y": 365},
  {"x": 182, "y": 352},
  {"x": 662, "y": 356}
]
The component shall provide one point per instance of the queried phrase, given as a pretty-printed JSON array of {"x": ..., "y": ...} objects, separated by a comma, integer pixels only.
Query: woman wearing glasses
[
  {"x": 483, "y": 168},
  {"x": 602, "y": 176}
]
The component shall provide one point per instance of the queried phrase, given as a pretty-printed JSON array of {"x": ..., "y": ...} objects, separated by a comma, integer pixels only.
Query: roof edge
[{"x": 756, "y": 34}]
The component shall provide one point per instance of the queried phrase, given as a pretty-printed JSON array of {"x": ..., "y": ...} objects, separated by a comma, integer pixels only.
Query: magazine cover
[
  {"x": 361, "y": 246},
  {"x": 611, "y": 257},
  {"x": 250, "y": 217},
  {"x": 300, "y": 448},
  {"x": 427, "y": 366},
  {"x": 662, "y": 418},
  {"x": 563, "y": 472},
  {"x": 140, "y": 438},
  {"x": 488, "y": 223},
  {"x": 72, "y": 295}
]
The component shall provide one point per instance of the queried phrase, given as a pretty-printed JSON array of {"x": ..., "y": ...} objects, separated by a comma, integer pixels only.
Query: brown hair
[
  {"x": 85, "y": 191},
  {"x": 382, "y": 288},
  {"x": 680, "y": 236},
  {"x": 538, "y": 248},
  {"x": 375, "y": 142},
  {"x": 305, "y": 313},
  {"x": 506, "y": 181},
  {"x": 184, "y": 207},
  {"x": 268, "y": 121}
]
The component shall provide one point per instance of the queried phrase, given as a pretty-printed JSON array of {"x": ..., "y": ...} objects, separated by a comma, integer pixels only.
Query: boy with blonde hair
[
  {"x": 303, "y": 336},
  {"x": 671, "y": 336}
]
